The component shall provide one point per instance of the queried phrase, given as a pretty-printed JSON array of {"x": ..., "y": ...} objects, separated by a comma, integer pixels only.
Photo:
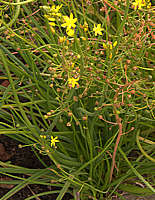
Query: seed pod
[
  {"x": 84, "y": 118},
  {"x": 70, "y": 114}
]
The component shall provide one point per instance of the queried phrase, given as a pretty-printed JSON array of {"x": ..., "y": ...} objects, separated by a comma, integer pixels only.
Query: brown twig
[
  {"x": 37, "y": 198},
  {"x": 118, "y": 120},
  {"x": 113, "y": 7}
]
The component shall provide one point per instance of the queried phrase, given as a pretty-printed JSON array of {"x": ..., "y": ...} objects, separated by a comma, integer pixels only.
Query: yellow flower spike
[
  {"x": 55, "y": 10},
  {"x": 97, "y": 29},
  {"x": 139, "y": 4},
  {"x": 73, "y": 81},
  {"x": 53, "y": 141},
  {"x": 115, "y": 43}
]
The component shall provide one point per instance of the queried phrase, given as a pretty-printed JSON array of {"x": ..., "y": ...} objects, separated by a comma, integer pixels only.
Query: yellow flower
[
  {"x": 43, "y": 136},
  {"x": 139, "y": 4},
  {"x": 50, "y": 18},
  {"x": 46, "y": 116},
  {"x": 52, "y": 29},
  {"x": 73, "y": 81},
  {"x": 85, "y": 26},
  {"x": 69, "y": 22},
  {"x": 78, "y": 56},
  {"x": 46, "y": 8},
  {"x": 70, "y": 32},
  {"x": 104, "y": 46},
  {"x": 72, "y": 66},
  {"x": 54, "y": 140},
  {"x": 83, "y": 38},
  {"x": 110, "y": 56},
  {"x": 115, "y": 43},
  {"x": 62, "y": 39},
  {"x": 51, "y": 23},
  {"x": 110, "y": 46},
  {"x": 55, "y": 10},
  {"x": 149, "y": 5},
  {"x": 97, "y": 29}
]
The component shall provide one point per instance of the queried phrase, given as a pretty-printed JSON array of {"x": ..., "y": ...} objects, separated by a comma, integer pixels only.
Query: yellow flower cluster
[
  {"x": 84, "y": 26},
  {"x": 69, "y": 22},
  {"x": 141, "y": 3},
  {"x": 109, "y": 47},
  {"x": 52, "y": 13},
  {"x": 55, "y": 10}
]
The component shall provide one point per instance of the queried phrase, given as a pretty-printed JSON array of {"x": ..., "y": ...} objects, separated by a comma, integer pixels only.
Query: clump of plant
[{"x": 81, "y": 92}]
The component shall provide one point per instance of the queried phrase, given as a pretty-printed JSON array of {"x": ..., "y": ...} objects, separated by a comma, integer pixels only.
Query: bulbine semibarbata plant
[{"x": 81, "y": 93}]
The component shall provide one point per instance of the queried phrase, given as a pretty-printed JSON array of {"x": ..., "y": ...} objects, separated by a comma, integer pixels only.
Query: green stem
[
  {"x": 135, "y": 171},
  {"x": 141, "y": 149},
  {"x": 13, "y": 88},
  {"x": 99, "y": 155},
  {"x": 18, "y": 2},
  {"x": 17, "y": 11}
]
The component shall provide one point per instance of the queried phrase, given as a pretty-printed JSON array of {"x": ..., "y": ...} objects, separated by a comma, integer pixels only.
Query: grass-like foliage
[{"x": 81, "y": 92}]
